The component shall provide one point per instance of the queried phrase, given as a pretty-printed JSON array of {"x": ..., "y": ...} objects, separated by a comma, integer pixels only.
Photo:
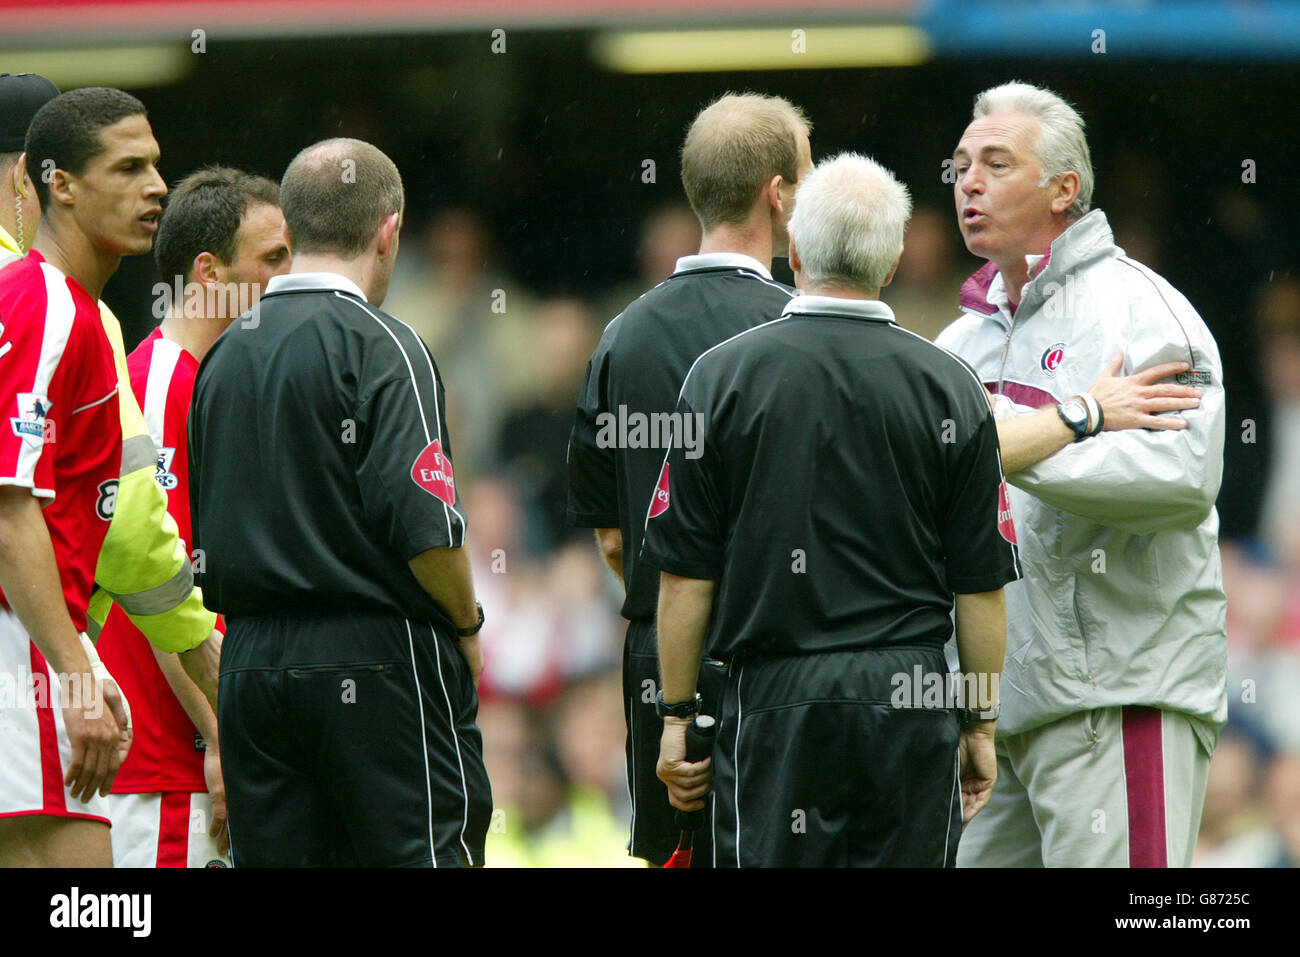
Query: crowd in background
[{"x": 551, "y": 712}]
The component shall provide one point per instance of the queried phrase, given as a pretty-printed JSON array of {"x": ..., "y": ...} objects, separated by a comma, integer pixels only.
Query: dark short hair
[
  {"x": 66, "y": 130},
  {"x": 335, "y": 194},
  {"x": 204, "y": 213}
]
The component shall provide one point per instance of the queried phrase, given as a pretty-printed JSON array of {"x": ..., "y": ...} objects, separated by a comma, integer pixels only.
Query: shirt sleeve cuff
[
  {"x": 578, "y": 519},
  {"x": 989, "y": 581},
  {"x": 707, "y": 571}
]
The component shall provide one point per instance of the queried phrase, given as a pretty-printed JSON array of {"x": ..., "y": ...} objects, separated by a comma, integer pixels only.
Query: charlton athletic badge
[
  {"x": 1052, "y": 359},
  {"x": 659, "y": 504},
  {"x": 432, "y": 472}
]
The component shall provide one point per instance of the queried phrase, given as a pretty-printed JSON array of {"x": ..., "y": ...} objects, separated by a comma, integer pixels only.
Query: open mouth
[
  {"x": 150, "y": 219},
  {"x": 970, "y": 216}
]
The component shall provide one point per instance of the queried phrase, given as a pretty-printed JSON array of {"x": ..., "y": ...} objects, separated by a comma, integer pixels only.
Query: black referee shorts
[
  {"x": 654, "y": 829},
  {"x": 350, "y": 741},
  {"x": 813, "y": 766}
]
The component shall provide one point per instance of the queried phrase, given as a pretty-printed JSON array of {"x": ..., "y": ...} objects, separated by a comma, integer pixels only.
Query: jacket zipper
[
  {"x": 1078, "y": 624},
  {"x": 1006, "y": 347}
]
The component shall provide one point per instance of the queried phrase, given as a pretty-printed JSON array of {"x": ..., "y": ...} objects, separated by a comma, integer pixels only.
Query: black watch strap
[
  {"x": 682, "y": 709},
  {"x": 473, "y": 629}
]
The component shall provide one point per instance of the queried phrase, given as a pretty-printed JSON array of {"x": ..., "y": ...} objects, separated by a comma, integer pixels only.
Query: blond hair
[{"x": 735, "y": 145}]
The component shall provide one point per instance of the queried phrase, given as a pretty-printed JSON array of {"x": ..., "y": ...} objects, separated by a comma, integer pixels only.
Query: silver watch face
[{"x": 1075, "y": 412}]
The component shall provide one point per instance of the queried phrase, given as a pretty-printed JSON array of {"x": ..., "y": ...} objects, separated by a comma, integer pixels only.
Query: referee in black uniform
[
  {"x": 332, "y": 538},
  {"x": 741, "y": 161},
  {"x": 848, "y": 486}
]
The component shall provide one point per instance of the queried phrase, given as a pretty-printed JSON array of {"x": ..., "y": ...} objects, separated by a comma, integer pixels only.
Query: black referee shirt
[
  {"x": 319, "y": 458},
  {"x": 850, "y": 484},
  {"x": 619, "y": 434}
]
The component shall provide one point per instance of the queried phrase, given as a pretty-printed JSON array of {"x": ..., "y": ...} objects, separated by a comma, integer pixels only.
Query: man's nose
[{"x": 971, "y": 182}]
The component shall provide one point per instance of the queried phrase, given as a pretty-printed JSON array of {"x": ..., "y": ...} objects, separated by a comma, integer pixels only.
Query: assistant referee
[
  {"x": 848, "y": 486},
  {"x": 741, "y": 162},
  {"x": 330, "y": 529}
]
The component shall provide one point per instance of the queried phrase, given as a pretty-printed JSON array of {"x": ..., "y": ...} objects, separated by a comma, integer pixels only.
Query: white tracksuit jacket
[{"x": 1122, "y": 597}]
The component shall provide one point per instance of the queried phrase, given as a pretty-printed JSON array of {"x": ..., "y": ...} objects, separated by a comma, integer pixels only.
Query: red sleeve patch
[
  {"x": 1006, "y": 527},
  {"x": 432, "y": 472},
  {"x": 659, "y": 504}
]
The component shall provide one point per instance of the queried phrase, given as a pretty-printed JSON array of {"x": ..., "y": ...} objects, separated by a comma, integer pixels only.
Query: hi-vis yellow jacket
[{"x": 142, "y": 564}]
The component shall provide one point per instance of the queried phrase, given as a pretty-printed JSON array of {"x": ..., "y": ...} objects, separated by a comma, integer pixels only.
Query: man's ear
[
  {"x": 893, "y": 269},
  {"x": 795, "y": 264},
  {"x": 284, "y": 231},
  {"x": 63, "y": 187},
  {"x": 388, "y": 235},
  {"x": 18, "y": 176},
  {"x": 772, "y": 192},
  {"x": 1065, "y": 193},
  {"x": 206, "y": 269}
]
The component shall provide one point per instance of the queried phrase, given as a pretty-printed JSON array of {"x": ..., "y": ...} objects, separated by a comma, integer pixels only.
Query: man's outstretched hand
[{"x": 1132, "y": 402}]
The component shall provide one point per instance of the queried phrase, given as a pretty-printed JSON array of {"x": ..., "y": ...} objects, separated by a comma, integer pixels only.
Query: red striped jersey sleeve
[
  {"x": 37, "y": 313},
  {"x": 162, "y": 378}
]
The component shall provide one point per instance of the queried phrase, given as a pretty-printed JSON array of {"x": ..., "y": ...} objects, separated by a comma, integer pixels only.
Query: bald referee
[
  {"x": 847, "y": 486},
  {"x": 742, "y": 159},
  {"x": 326, "y": 510}
]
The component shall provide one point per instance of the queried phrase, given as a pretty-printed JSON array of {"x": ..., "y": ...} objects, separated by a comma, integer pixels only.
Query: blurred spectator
[
  {"x": 1263, "y": 643},
  {"x": 589, "y": 738},
  {"x": 533, "y": 438},
  {"x": 589, "y": 628},
  {"x": 1139, "y": 182},
  {"x": 924, "y": 292},
  {"x": 1139, "y": 237},
  {"x": 1282, "y": 798},
  {"x": 1234, "y": 828},
  {"x": 561, "y": 801},
  {"x": 518, "y": 651},
  {"x": 1278, "y": 321},
  {"x": 547, "y": 621},
  {"x": 668, "y": 233},
  {"x": 474, "y": 320}
]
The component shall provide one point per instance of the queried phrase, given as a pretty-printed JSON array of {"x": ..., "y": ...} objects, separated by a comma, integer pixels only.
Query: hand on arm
[
  {"x": 29, "y": 576},
  {"x": 445, "y": 574},
  {"x": 981, "y": 648},
  {"x": 1131, "y": 402},
  {"x": 684, "y": 607}
]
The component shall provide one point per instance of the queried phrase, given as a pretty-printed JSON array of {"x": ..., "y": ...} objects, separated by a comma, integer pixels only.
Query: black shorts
[
  {"x": 654, "y": 829},
  {"x": 813, "y": 766},
  {"x": 350, "y": 741}
]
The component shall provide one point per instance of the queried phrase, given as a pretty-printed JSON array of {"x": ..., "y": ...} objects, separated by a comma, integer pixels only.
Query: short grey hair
[
  {"x": 1062, "y": 146},
  {"x": 848, "y": 222}
]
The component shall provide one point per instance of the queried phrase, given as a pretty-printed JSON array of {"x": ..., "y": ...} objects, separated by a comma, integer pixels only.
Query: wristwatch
[
  {"x": 682, "y": 709},
  {"x": 1074, "y": 414},
  {"x": 473, "y": 629},
  {"x": 971, "y": 715}
]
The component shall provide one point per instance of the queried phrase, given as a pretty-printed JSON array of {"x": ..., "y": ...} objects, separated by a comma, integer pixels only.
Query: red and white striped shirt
[
  {"x": 62, "y": 438},
  {"x": 166, "y": 753}
]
